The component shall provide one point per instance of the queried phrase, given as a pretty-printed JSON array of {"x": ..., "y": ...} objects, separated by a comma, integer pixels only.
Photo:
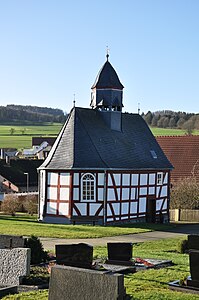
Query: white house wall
[{"x": 118, "y": 195}]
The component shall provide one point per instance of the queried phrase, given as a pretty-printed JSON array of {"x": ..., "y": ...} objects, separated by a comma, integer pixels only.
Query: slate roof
[
  {"x": 183, "y": 153},
  {"x": 14, "y": 171},
  {"x": 86, "y": 142},
  {"x": 107, "y": 78}
]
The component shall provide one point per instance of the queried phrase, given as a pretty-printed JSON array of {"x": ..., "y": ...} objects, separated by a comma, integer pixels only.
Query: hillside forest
[{"x": 171, "y": 119}]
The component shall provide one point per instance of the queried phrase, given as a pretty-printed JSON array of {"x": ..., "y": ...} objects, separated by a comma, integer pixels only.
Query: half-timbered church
[{"x": 105, "y": 165}]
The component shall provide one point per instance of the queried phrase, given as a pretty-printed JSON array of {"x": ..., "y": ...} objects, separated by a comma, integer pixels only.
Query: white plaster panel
[
  {"x": 64, "y": 178},
  {"x": 133, "y": 193},
  {"x": 93, "y": 208},
  {"x": 125, "y": 208},
  {"x": 110, "y": 183},
  {"x": 64, "y": 193},
  {"x": 151, "y": 179},
  {"x": 166, "y": 178},
  {"x": 117, "y": 178},
  {"x": 63, "y": 209},
  {"x": 133, "y": 207},
  {"x": 157, "y": 191},
  {"x": 52, "y": 178},
  {"x": 75, "y": 193},
  {"x": 125, "y": 194},
  {"x": 118, "y": 193},
  {"x": 143, "y": 179},
  {"x": 100, "y": 178},
  {"x": 109, "y": 212},
  {"x": 134, "y": 179},
  {"x": 142, "y": 205},
  {"x": 82, "y": 208},
  {"x": 125, "y": 179},
  {"x": 52, "y": 193},
  {"x": 116, "y": 207},
  {"x": 111, "y": 195},
  {"x": 158, "y": 204},
  {"x": 51, "y": 208},
  {"x": 164, "y": 191},
  {"x": 101, "y": 212},
  {"x": 76, "y": 178},
  {"x": 151, "y": 190},
  {"x": 110, "y": 219},
  {"x": 165, "y": 204},
  {"x": 143, "y": 191},
  {"x": 100, "y": 194},
  {"x": 123, "y": 218},
  {"x": 74, "y": 212}
]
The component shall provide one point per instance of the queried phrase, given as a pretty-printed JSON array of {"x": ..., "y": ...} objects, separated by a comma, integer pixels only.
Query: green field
[{"x": 22, "y": 135}]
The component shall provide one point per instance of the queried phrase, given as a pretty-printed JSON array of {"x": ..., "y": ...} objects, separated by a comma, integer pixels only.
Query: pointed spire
[{"x": 74, "y": 100}]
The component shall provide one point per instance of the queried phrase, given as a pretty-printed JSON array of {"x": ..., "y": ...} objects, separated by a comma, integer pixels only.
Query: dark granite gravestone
[
  {"x": 120, "y": 253},
  {"x": 193, "y": 241},
  {"x": 83, "y": 284},
  {"x": 194, "y": 268},
  {"x": 75, "y": 255}
]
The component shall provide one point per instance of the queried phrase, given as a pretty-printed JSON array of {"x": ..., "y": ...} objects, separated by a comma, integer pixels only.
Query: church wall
[{"x": 119, "y": 196}]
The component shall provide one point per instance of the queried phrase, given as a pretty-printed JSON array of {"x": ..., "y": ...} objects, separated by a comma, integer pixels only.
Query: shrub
[
  {"x": 185, "y": 194},
  {"x": 10, "y": 204},
  {"x": 38, "y": 254},
  {"x": 183, "y": 246},
  {"x": 30, "y": 204}
]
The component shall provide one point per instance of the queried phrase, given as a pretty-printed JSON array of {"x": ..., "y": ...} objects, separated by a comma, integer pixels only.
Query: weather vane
[
  {"x": 74, "y": 100},
  {"x": 107, "y": 52}
]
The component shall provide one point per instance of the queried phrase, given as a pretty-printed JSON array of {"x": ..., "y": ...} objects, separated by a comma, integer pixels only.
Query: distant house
[
  {"x": 105, "y": 166},
  {"x": 183, "y": 153},
  {"x": 19, "y": 175},
  {"x": 41, "y": 147}
]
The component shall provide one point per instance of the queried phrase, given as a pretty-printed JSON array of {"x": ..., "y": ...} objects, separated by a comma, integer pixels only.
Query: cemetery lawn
[
  {"x": 143, "y": 285},
  {"x": 26, "y": 225}
]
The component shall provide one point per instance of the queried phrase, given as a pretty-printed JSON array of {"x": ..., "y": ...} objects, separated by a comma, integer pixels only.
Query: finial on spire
[
  {"x": 107, "y": 52},
  {"x": 74, "y": 100},
  {"x": 138, "y": 108}
]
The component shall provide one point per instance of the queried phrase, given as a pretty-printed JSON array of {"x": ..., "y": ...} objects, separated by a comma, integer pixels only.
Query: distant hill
[
  {"x": 171, "y": 119},
  {"x": 21, "y": 113}
]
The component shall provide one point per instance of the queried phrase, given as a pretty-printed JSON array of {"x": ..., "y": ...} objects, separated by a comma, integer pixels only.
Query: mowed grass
[
  {"x": 22, "y": 135},
  {"x": 150, "y": 284},
  {"x": 27, "y": 226},
  {"x": 169, "y": 131}
]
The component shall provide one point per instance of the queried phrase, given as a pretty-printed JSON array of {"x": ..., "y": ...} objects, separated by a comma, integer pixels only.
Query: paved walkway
[{"x": 180, "y": 230}]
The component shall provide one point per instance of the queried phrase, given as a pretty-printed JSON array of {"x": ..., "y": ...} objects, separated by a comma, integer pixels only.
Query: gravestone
[
  {"x": 14, "y": 264},
  {"x": 193, "y": 241},
  {"x": 120, "y": 253},
  {"x": 75, "y": 255},
  {"x": 194, "y": 268},
  {"x": 11, "y": 241},
  {"x": 85, "y": 284}
]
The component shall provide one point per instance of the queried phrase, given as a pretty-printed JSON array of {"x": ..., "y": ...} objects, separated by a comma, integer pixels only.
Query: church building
[{"x": 105, "y": 166}]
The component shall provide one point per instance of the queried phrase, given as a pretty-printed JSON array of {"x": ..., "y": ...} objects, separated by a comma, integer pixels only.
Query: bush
[
  {"x": 185, "y": 194},
  {"x": 38, "y": 255},
  {"x": 10, "y": 204},
  {"x": 183, "y": 246},
  {"x": 30, "y": 204}
]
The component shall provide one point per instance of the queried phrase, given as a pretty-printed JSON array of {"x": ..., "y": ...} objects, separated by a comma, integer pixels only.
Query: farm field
[
  {"x": 144, "y": 285},
  {"x": 22, "y": 134}
]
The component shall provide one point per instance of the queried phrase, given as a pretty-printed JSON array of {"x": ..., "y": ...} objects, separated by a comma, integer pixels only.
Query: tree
[
  {"x": 12, "y": 130},
  {"x": 148, "y": 117},
  {"x": 172, "y": 123},
  {"x": 185, "y": 194}
]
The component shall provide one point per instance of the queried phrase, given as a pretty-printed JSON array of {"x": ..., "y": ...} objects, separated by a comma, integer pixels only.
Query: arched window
[{"x": 88, "y": 187}]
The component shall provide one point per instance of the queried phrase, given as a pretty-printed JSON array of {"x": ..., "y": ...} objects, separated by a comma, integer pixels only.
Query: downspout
[{"x": 104, "y": 199}]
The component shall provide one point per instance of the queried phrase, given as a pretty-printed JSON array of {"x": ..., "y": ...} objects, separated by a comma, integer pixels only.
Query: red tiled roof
[{"x": 183, "y": 153}]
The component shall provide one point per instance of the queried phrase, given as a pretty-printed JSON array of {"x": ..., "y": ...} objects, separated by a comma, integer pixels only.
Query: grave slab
[{"x": 85, "y": 284}]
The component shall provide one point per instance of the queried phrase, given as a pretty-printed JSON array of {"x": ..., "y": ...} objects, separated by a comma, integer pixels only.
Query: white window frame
[
  {"x": 88, "y": 188},
  {"x": 159, "y": 178}
]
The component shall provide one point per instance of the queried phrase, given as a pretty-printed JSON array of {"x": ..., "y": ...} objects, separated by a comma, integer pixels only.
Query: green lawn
[
  {"x": 168, "y": 131},
  {"x": 151, "y": 284},
  {"x": 22, "y": 135},
  {"x": 26, "y": 225}
]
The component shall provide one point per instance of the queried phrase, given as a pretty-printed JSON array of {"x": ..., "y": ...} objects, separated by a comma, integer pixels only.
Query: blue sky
[{"x": 50, "y": 50}]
